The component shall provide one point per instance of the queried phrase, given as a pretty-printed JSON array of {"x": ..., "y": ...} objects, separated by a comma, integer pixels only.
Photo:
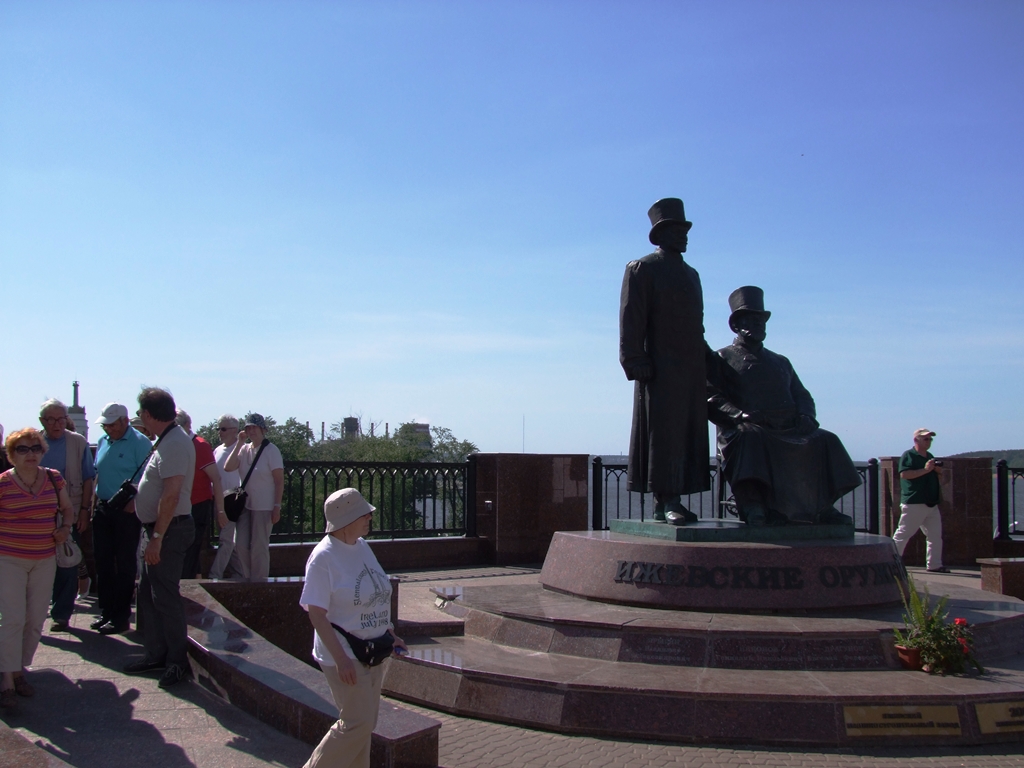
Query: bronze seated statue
[{"x": 781, "y": 466}]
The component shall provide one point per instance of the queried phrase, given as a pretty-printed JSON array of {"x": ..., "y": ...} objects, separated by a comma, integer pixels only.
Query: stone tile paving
[
  {"x": 466, "y": 743},
  {"x": 90, "y": 714}
]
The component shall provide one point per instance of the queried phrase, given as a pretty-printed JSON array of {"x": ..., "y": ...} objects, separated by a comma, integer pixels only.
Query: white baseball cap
[
  {"x": 345, "y": 507},
  {"x": 112, "y": 412}
]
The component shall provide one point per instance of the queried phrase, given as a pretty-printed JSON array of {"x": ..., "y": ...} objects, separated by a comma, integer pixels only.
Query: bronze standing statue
[
  {"x": 662, "y": 350},
  {"x": 781, "y": 466}
]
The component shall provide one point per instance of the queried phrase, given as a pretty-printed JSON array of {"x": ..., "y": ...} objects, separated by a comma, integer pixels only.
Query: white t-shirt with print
[
  {"x": 347, "y": 581},
  {"x": 261, "y": 482}
]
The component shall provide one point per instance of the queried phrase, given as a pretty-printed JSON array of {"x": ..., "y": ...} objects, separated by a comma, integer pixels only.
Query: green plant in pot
[{"x": 941, "y": 647}]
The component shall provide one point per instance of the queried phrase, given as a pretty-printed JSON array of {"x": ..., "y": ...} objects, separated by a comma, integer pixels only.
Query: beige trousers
[
  {"x": 25, "y": 590},
  {"x": 347, "y": 743},
  {"x": 252, "y": 543}
]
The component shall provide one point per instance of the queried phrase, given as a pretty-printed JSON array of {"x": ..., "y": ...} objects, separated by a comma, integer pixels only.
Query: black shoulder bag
[{"x": 234, "y": 501}]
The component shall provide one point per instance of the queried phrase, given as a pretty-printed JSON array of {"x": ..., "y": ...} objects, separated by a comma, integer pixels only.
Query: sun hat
[{"x": 345, "y": 507}]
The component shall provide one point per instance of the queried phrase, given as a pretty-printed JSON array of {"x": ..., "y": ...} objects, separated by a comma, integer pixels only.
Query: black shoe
[
  {"x": 99, "y": 623},
  {"x": 940, "y": 569},
  {"x": 143, "y": 665},
  {"x": 174, "y": 675},
  {"x": 60, "y": 626},
  {"x": 114, "y": 629},
  {"x": 834, "y": 517},
  {"x": 677, "y": 514},
  {"x": 754, "y": 515}
]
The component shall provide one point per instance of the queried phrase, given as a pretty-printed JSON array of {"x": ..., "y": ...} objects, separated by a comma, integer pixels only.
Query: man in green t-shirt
[{"x": 919, "y": 500}]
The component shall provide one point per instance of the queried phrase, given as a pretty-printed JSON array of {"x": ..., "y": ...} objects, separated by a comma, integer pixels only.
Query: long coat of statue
[
  {"x": 804, "y": 472},
  {"x": 661, "y": 321}
]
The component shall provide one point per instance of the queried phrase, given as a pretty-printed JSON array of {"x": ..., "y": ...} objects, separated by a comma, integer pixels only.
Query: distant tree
[
  {"x": 447, "y": 448},
  {"x": 293, "y": 438},
  {"x": 210, "y": 433}
]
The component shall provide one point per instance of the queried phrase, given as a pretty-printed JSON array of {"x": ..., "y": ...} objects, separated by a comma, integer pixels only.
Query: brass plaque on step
[
  {"x": 901, "y": 721},
  {"x": 1004, "y": 717}
]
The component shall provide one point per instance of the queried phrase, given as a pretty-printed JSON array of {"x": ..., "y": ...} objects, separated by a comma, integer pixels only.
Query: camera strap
[
  {"x": 252, "y": 466},
  {"x": 152, "y": 450}
]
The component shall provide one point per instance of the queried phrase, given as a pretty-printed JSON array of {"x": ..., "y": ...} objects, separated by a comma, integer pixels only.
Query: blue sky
[{"x": 423, "y": 210}]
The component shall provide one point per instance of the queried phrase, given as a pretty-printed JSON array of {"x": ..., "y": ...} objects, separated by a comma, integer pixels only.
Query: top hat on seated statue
[{"x": 748, "y": 298}]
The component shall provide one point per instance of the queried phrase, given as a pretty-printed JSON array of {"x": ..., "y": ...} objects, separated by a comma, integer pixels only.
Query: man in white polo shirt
[{"x": 227, "y": 427}]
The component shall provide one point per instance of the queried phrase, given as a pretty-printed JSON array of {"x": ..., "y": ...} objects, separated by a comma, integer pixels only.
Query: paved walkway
[{"x": 92, "y": 716}]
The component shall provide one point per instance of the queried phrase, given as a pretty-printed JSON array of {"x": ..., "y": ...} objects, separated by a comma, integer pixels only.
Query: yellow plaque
[
  {"x": 901, "y": 721},
  {"x": 1004, "y": 717}
]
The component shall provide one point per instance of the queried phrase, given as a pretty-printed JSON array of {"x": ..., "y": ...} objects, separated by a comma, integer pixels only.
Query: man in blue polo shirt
[
  {"x": 69, "y": 454},
  {"x": 119, "y": 454}
]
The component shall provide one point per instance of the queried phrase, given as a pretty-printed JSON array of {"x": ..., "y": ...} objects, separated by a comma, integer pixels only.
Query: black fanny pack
[{"x": 371, "y": 652}]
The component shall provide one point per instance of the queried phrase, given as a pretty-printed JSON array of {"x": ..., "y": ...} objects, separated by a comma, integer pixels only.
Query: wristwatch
[{"x": 155, "y": 535}]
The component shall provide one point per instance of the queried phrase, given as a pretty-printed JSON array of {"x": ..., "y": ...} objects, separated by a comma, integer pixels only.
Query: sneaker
[
  {"x": 143, "y": 665},
  {"x": 174, "y": 674}
]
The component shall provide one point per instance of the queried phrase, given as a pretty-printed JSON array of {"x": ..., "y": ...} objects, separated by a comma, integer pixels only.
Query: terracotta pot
[{"x": 910, "y": 658}]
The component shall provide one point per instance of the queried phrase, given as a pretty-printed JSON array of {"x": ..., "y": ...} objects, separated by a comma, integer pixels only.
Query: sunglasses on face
[
  {"x": 22, "y": 450},
  {"x": 226, "y": 429}
]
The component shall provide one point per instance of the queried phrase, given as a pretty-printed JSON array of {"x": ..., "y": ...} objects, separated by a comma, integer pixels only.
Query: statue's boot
[
  {"x": 677, "y": 514},
  {"x": 659, "y": 512},
  {"x": 776, "y": 518},
  {"x": 833, "y": 516},
  {"x": 754, "y": 514}
]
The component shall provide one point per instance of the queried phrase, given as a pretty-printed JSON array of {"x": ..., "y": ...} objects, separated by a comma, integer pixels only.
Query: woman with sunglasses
[{"x": 30, "y": 499}]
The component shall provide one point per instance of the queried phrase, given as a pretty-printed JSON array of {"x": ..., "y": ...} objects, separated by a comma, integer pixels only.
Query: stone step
[
  {"x": 574, "y": 694},
  {"x": 532, "y": 618}
]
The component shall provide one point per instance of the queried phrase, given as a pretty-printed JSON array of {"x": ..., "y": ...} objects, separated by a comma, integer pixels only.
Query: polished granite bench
[
  {"x": 239, "y": 664},
  {"x": 1003, "y": 575}
]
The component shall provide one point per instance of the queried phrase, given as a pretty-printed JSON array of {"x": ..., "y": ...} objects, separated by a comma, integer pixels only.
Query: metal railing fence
[
  {"x": 412, "y": 498},
  {"x": 610, "y": 498},
  {"x": 1007, "y": 524}
]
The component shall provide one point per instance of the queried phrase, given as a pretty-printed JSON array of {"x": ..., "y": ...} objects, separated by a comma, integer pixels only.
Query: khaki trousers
[
  {"x": 347, "y": 743},
  {"x": 928, "y": 519},
  {"x": 252, "y": 543},
  {"x": 25, "y": 589}
]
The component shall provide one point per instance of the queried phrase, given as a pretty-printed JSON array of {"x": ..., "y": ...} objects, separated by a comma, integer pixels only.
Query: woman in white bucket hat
[{"x": 348, "y": 598}]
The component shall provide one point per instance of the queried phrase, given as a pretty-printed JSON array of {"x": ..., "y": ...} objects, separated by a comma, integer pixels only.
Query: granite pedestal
[
  {"x": 803, "y": 575},
  {"x": 543, "y": 659}
]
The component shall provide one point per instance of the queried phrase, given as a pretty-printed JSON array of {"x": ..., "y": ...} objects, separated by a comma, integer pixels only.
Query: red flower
[
  {"x": 960, "y": 622},
  {"x": 963, "y": 644}
]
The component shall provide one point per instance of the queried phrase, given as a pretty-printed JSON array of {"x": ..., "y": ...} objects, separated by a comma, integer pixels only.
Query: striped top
[{"x": 27, "y": 522}]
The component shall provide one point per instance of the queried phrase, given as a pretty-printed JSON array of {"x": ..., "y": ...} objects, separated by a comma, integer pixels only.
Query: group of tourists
[
  {"x": 140, "y": 510},
  {"x": 148, "y": 497}
]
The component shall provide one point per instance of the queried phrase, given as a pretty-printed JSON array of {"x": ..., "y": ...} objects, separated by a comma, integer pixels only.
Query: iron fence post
[
  {"x": 470, "y": 505},
  {"x": 596, "y": 497},
  {"x": 873, "y": 511},
  {"x": 1002, "y": 501}
]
